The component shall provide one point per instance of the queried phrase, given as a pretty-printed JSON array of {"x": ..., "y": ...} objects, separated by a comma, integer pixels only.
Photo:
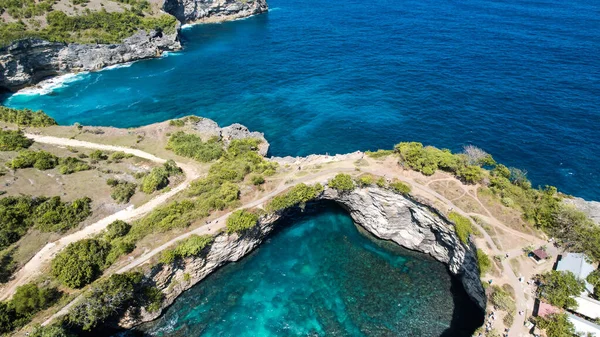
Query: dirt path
[{"x": 35, "y": 266}]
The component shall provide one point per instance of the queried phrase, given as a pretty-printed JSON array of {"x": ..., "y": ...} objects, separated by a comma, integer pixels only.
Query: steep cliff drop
[
  {"x": 385, "y": 214},
  {"x": 27, "y": 62}
]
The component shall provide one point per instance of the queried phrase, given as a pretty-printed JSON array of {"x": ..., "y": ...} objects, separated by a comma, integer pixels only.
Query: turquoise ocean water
[
  {"x": 318, "y": 276},
  {"x": 519, "y": 78}
]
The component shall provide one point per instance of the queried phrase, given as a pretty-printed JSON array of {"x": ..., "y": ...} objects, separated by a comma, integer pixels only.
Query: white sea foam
[
  {"x": 117, "y": 66},
  {"x": 47, "y": 86}
]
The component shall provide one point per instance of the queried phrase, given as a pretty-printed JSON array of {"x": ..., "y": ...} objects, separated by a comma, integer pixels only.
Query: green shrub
[
  {"x": 342, "y": 182},
  {"x": 80, "y": 263},
  {"x": 508, "y": 202},
  {"x": 177, "y": 122},
  {"x": 379, "y": 153},
  {"x": 400, "y": 187},
  {"x": 120, "y": 155},
  {"x": 381, "y": 182},
  {"x": 258, "y": 180},
  {"x": 13, "y": 140},
  {"x": 365, "y": 180},
  {"x": 192, "y": 146},
  {"x": 298, "y": 194},
  {"x": 25, "y": 117},
  {"x": 462, "y": 226},
  {"x": 191, "y": 246},
  {"x": 484, "y": 262},
  {"x": 240, "y": 221},
  {"x": 98, "y": 155},
  {"x": 71, "y": 165},
  {"x": 116, "y": 229},
  {"x": 157, "y": 179},
  {"x": 122, "y": 191},
  {"x": 41, "y": 160}
]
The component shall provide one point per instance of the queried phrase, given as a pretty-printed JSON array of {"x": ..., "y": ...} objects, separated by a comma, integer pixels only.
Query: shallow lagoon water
[
  {"x": 319, "y": 276},
  {"x": 519, "y": 78}
]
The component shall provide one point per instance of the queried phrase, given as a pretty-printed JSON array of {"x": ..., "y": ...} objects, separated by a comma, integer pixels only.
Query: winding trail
[{"x": 34, "y": 267}]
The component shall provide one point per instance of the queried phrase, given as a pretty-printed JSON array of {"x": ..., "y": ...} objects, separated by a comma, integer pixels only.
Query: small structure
[
  {"x": 577, "y": 264},
  {"x": 539, "y": 255},
  {"x": 583, "y": 327},
  {"x": 546, "y": 309}
]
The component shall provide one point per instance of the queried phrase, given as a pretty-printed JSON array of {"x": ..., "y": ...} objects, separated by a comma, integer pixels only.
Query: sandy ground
[{"x": 35, "y": 266}]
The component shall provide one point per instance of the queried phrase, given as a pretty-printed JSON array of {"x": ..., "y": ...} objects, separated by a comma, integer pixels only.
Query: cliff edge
[
  {"x": 187, "y": 11},
  {"x": 381, "y": 212}
]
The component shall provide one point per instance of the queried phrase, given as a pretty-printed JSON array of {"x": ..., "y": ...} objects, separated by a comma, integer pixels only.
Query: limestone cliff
[
  {"x": 26, "y": 62},
  {"x": 385, "y": 214},
  {"x": 213, "y": 10},
  {"x": 413, "y": 225}
]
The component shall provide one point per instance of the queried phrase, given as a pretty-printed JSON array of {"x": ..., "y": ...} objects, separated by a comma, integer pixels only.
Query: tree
[
  {"x": 557, "y": 325},
  {"x": 29, "y": 299},
  {"x": 594, "y": 279},
  {"x": 80, "y": 263},
  {"x": 50, "y": 331},
  {"x": 477, "y": 156},
  {"x": 559, "y": 287},
  {"x": 105, "y": 299}
]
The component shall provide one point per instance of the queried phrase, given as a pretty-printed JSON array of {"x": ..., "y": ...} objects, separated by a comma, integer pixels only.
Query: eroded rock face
[
  {"x": 590, "y": 208},
  {"x": 213, "y": 10},
  {"x": 416, "y": 226},
  {"x": 209, "y": 128},
  {"x": 385, "y": 214},
  {"x": 27, "y": 62}
]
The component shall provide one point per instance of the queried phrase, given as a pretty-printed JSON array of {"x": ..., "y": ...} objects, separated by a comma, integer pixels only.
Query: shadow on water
[{"x": 375, "y": 314}]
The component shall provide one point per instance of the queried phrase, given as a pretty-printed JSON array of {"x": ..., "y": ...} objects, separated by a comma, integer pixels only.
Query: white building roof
[
  {"x": 577, "y": 264},
  {"x": 588, "y": 307},
  {"x": 583, "y": 327}
]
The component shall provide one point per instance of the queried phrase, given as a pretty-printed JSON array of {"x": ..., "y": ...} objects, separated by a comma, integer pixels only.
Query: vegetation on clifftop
[
  {"x": 240, "y": 221},
  {"x": 25, "y": 117},
  {"x": 90, "y": 27}
]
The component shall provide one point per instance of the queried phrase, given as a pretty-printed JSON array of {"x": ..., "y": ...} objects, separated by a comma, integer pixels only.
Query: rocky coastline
[
  {"x": 27, "y": 62},
  {"x": 408, "y": 222}
]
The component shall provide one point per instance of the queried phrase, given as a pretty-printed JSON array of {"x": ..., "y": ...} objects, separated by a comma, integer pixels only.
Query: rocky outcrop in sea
[
  {"x": 187, "y": 11},
  {"x": 27, "y": 62},
  {"x": 387, "y": 215}
]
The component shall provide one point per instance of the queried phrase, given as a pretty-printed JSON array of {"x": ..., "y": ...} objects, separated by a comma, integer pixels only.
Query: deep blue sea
[
  {"x": 518, "y": 78},
  {"x": 320, "y": 277}
]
